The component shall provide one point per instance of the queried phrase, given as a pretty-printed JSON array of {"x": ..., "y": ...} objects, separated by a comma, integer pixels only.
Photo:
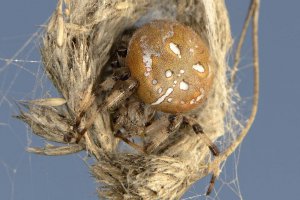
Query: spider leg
[
  {"x": 211, "y": 184},
  {"x": 132, "y": 144},
  {"x": 160, "y": 130},
  {"x": 119, "y": 93},
  {"x": 174, "y": 122},
  {"x": 212, "y": 147},
  {"x": 122, "y": 52},
  {"x": 141, "y": 112},
  {"x": 120, "y": 58}
]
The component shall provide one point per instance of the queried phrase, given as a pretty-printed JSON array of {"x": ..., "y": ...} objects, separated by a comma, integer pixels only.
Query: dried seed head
[{"x": 171, "y": 63}]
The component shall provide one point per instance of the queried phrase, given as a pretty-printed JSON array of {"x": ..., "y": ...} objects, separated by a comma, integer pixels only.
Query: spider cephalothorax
[{"x": 166, "y": 76}]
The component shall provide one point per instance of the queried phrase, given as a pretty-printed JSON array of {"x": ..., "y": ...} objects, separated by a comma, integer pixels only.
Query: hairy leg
[
  {"x": 160, "y": 130},
  {"x": 121, "y": 91},
  {"x": 212, "y": 147}
]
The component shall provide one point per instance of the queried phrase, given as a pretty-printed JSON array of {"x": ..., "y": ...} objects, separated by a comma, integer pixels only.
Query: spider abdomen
[{"x": 171, "y": 63}]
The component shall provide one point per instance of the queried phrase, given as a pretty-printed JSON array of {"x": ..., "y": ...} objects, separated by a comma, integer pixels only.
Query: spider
[{"x": 158, "y": 81}]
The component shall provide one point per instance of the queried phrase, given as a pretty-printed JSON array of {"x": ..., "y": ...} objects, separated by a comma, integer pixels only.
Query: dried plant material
[
  {"x": 47, "y": 102},
  {"x": 77, "y": 48},
  {"x": 50, "y": 150},
  {"x": 123, "y": 5}
]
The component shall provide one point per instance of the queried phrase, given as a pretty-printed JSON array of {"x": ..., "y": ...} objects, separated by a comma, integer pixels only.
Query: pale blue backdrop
[{"x": 268, "y": 162}]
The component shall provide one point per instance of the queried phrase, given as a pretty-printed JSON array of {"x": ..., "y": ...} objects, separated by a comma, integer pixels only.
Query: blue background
[{"x": 268, "y": 162}]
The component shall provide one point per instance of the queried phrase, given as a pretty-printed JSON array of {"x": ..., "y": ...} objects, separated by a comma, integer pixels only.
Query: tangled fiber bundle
[{"x": 77, "y": 46}]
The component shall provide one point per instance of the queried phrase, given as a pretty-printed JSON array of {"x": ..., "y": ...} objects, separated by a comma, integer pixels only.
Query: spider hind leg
[
  {"x": 197, "y": 128},
  {"x": 212, "y": 147}
]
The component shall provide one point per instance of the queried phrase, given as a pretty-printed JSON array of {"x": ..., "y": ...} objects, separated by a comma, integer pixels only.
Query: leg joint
[{"x": 197, "y": 128}]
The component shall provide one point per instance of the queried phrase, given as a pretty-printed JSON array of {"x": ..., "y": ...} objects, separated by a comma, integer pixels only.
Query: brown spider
[{"x": 163, "y": 76}]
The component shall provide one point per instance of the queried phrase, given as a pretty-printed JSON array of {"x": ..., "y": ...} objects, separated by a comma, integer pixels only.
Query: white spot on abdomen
[
  {"x": 175, "y": 49},
  {"x": 147, "y": 60},
  {"x": 175, "y": 83},
  {"x": 198, "y": 68},
  {"x": 163, "y": 97},
  {"x": 201, "y": 95},
  {"x": 146, "y": 73},
  {"x": 183, "y": 85},
  {"x": 168, "y": 35},
  {"x": 169, "y": 100},
  {"x": 148, "y": 52},
  {"x": 168, "y": 73},
  {"x": 154, "y": 81},
  {"x": 160, "y": 90},
  {"x": 192, "y": 101}
]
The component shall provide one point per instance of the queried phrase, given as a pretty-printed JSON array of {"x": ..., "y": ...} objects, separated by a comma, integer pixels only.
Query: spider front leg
[
  {"x": 121, "y": 91},
  {"x": 212, "y": 147}
]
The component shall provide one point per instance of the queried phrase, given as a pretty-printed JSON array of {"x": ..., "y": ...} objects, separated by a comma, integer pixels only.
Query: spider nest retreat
[
  {"x": 148, "y": 76},
  {"x": 166, "y": 75}
]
